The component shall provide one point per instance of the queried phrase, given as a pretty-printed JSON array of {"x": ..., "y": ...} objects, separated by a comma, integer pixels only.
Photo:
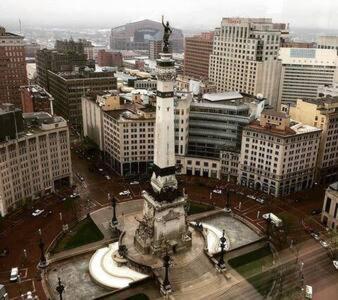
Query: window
[{"x": 327, "y": 204}]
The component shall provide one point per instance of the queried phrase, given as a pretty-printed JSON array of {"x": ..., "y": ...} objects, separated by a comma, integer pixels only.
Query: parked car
[
  {"x": 324, "y": 244},
  {"x": 308, "y": 292},
  {"x": 107, "y": 177},
  {"x": 134, "y": 183},
  {"x": 335, "y": 264},
  {"x": 37, "y": 212},
  {"x": 14, "y": 274},
  {"x": 316, "y": 212},
  {"x": 251, "y": 197}
]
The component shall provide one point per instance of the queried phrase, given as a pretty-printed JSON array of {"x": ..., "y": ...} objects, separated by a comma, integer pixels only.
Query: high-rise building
[
  {"x": 330, "y": 207},
  {"x": 36, "y": 162},
  {"x": 328, "y": 42},
  {"x": 66, "y": 56},
  {"x": 197, "y": 52},
  {"x": 13, "y": 72},
  {"x": 136, "y": 36},
  {"x": 303, "y": 71},
  {"x": 245, "y": 57},
  {"x": 35, "y": 99},
  {"x": 323, "y": 114},
  {"x": 278, "y": 156},
  {"x": 67, "y": 89}
]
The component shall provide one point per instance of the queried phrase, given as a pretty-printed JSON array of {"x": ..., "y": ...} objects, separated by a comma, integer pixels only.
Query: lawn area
[
  {"x": 250, "y": 267},
  {"x": 83, "y": 233},
  {"x": 196, "y": 208}
]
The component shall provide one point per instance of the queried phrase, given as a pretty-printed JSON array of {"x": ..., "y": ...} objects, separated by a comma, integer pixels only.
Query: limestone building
[
  {"x": 278, "y": 156},
  {"x": 328, "y": 42},
  {"x": 303, "y": 71},
  {"x": 36, "y": 162},
  {"x": 330, "y": 207},
  {"x": 323, "y": 114},
  {"x": 245, "y": 57}
]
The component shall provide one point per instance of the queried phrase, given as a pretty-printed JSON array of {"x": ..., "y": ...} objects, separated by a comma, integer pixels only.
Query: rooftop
[
  {"x": 308, "y": 56},
  {"x": 37, "y": 91},
  {"x": 214, "y": 97},
  {"x": 272, "y": 112}
]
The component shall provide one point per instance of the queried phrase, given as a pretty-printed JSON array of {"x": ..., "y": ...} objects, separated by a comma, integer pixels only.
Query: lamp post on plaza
[
  {"x": 60, "y": 288},
  {"x": 166, "y": 286},
  {"x": 114, "y": 222},
  {"x": 221, "y": 263}
]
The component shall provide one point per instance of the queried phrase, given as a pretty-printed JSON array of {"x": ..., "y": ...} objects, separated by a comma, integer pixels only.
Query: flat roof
[{"x": 213, "y": 97}]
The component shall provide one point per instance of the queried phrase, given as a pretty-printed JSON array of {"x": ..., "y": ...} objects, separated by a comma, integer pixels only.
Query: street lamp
[
  {"x": 166, "y": 286},
  {"x": 221, "y": 263},
  {"x": 114, "y": 222},
  {"x": 60, "y": 288}
]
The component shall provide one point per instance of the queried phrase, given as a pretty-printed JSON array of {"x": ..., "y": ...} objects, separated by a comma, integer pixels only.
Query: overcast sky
[{"x": 184, "y": 14}]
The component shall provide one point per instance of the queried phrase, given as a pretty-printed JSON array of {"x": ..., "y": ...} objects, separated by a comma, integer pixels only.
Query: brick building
[
  {"x": 35, "y": 98},
  {"x": 13, "y": 72},
  {"x": 197, "y": 54}
]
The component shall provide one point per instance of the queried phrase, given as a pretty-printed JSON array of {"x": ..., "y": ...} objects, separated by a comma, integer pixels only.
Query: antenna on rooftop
[{"x": 20, "y": 26}]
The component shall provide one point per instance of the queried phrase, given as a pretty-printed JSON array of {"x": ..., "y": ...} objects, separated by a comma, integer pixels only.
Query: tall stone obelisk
[{"x": 163, "y": 226}]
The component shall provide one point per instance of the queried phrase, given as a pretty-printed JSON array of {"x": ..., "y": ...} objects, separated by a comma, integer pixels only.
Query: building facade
[
  {"x": 328, "y": 42},
  {"x": 67, "y": 89},
  {"x": 35, "y": 163},
  {"x": 277, "y": 156},
  {"x": 197, "y": 50},
  {"x": 328, "y": 90},
  {"x": 35, "y": 98},
  {"x": 13, "y": 72},
  {"x": 303, "y": 71},
  {"x": 330, "y": 207},
  {"x": 323, "y": 114},
  {"x": 109, "y": 58},
  {"x": 128, "y": 135},
  {"x": 66, "y": 56},
  {"x": 245, "y": 57}
]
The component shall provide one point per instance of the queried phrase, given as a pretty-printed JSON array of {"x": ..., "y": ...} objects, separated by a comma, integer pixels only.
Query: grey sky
[{"x": 185, "y": 14}]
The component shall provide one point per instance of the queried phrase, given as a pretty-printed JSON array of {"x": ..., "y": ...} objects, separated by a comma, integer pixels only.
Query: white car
[
  {"x": 251, "y": 197},
  {"x": 217, "y": 191},
  {"x": 107, "y": 177},
  {"x": 324, "y": 244},
  {"x": 125, "y": 193},
  {"x": 134, "y": 183},
  {"x": 335, "y": 264},
  {"x": 37, "y": 212},
  {"x": 227, "y": 210},
  {"x": 74, "y": 195},
  {"x": 315, "y": 236},
  {"x": 14, "y": 274},
  {"x": 100, "y": 170},
  {"x": 260, "y": 200}
]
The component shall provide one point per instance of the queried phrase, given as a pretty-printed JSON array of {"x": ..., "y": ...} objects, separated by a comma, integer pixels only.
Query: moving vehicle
[
  {"x": 260, "y": 200},
  {"x": 74, "y": 195},
  {"x": 107, "y": 177},
  {"x": 37, "y": 212},
  {"x": 217, "y": 191},
  {"x": 125, "y": 193},
  {"x": 315, "y": 236},
  {"x": 335, "y": 264},
  {"x": 251, "y": 197},
  {"x": 308, "y": 292},
  {"x": 274, "y": 219},
  {"x": 134, "y": 183},
  {"x": 324, "y": 244},
  {"x": 14, "y": 274},
  {"x": 227, "y": 210}
]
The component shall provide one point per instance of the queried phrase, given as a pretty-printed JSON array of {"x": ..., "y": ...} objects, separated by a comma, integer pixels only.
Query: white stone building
[
  {"x": 35, "y": 163},
  {"x": 330, "y": 207},
  {"x": 303, "y": 71},
  {"x": 328, "y": 42},
  {"x": 245, "y": 57},
  {"x": 278, "y": 156},
  {"x": 328, "y": 90}
]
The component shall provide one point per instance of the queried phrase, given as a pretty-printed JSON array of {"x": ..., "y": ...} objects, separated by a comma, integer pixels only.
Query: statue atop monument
[{"x": 167, "y": 31}]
